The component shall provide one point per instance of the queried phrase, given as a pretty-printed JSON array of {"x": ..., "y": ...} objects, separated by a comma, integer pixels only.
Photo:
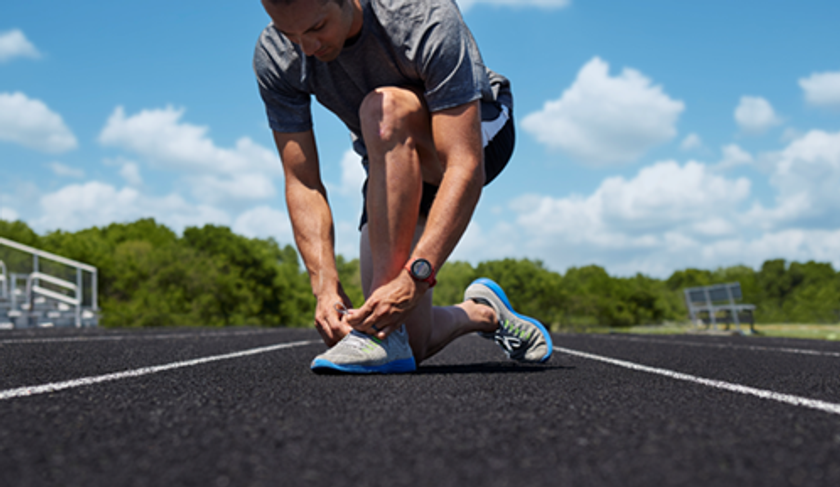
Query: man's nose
[{"x": 310, "y": 45}]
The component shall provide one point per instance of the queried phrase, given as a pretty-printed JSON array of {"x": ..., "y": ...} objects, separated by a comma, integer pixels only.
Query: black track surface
[{"x": 467, "y": 417}]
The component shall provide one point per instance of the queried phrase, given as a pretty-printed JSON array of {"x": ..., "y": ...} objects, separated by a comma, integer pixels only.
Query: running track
[{"x": 240, "y": 407}]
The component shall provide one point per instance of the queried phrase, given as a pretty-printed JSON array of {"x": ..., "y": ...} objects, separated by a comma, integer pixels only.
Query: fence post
[{"x": 80, "y": 295}]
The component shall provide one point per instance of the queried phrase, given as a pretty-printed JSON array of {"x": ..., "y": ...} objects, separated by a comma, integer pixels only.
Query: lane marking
[
  {"x": 87, "y": 381},
  {"x": 824, "y": 406},
  {"x": 759, "y": 348},
  {"x": 138, "y": 336}
]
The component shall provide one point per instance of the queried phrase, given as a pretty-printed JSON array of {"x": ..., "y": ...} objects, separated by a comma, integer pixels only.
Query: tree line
[{"x": 210, "y": 276}]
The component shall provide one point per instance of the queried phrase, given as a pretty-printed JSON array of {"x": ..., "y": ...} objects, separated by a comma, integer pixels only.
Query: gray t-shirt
[{"x": 410, "y": 43}]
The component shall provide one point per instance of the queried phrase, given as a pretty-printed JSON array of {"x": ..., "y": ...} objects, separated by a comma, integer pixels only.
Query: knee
[{"x": 390, "y": 113}]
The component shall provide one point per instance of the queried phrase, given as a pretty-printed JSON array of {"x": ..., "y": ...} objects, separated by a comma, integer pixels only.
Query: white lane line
[
  {"x": 138, "y": 336},
  {"x": 757, "y": 348},
  {"x": 824, "y": 406},
  {"x": 86, "y": 381}
]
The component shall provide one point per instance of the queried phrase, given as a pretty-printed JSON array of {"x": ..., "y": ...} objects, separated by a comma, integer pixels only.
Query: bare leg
[
  {"x": 396, "y": 127},
  {"x": 431, "y": 328}
]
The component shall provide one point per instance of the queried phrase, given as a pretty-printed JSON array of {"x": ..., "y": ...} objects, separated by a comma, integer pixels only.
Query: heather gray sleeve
[
  {"x": 278, "y": 69},
  {"x": 449, "y": 60}
]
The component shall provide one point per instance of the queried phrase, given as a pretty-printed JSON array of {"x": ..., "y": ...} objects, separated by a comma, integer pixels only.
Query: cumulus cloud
[
  {"x": 806, "y": 174},
  {"x": 244, "y": 172},
  {"x": 64, "y": 170},
  {"x": 263, "y": 222},
  {"x": 603, "y": 120},
  {"x": 95, "y": 203},
  {"x": 32, "y": 124},
  {"x": 734, "y": 155},
  {"x": 822, "y": 89},
  {"x": 665, "y": 206},
  {"x": 671, "y": 215},
  {"x": 15, "y": 44},
  {"x": 8, "y": 214},
  {"x": 791, "y": 244},
  {"x": 691, "y": 142},
  {"x": 755, "y": 115},
  {"x": 245, "y": 186},
  {"x": 467, "y": 4},
  {"x": 352, "y": 175},
  {"x": 130, "y": 172}
]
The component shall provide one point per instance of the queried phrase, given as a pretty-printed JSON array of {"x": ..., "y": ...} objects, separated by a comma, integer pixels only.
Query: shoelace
[{"x": 512, "y": 336}]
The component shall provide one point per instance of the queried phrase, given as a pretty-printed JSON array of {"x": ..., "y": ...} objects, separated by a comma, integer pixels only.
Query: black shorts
[{"x": 499, "y": 138}]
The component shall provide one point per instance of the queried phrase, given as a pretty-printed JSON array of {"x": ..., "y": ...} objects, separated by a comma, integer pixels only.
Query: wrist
[
  {"x": 324, "y": 287},
  {"x": 421, "y": 271}
]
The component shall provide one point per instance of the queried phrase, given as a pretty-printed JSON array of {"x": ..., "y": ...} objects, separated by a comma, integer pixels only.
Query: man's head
[{"x": 319, "y": 27}]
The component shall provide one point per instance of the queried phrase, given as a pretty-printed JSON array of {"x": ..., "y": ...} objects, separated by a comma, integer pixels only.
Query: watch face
[{"x": 421, "y": 268}]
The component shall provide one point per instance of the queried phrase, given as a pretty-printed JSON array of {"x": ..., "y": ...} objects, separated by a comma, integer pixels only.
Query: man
[{"x": 433, "y": 125}]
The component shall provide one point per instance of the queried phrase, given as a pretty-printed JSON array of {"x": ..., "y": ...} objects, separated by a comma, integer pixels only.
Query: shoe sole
[
  {"x": 394, "y": 367},
  {"x": 497, "y": 290}
]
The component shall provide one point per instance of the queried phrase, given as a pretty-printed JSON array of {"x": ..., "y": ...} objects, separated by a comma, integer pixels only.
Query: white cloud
[
  {"x": 264, "y": 222},
  {"x": 15, "y": 44},
  {"x": 467, "y": 4},
  {"x": 755, "y": 115},
  {"x": 734, "y": 155},
  {"x": 473, "y": 246},
  {"x": 243, "y": 187},
  {"x": 665, "y": 208},
  {"x": 130, "y": 172},
  {"x": 244, "y": 172},
  {"x": 793, "y": 245},
  {"x": 691, "y": 142},
  {"x": 807, "y": 175},
  {"x": 95, "y": 203},
  {"x": 31, "y": 123},
  {"x": 604, "y": 120},
  {"x": 352, "y": 175},
  {"x": 671, "y": 216},
  {"x": 822, "y": 89},
  {"x": 160, "y": 136},
  {"x": 8, "y": 214},
  {"x": 64, "y": 170}
]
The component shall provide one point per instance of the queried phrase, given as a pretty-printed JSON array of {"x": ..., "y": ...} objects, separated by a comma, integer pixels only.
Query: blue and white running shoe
[
  {"x": 522, "y": 338},
  {"x": 358, "y": 353}
]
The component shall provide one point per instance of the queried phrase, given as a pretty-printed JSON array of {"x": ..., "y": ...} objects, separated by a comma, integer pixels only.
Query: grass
[{"x": 786, "y": 330}]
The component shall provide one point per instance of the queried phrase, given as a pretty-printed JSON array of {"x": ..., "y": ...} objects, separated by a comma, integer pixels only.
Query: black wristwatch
[{"x": 422, "y": 270}]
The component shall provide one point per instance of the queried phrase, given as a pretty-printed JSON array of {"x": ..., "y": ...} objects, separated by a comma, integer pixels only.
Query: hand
[
  {"x": 387, "y": 308},
  {"x": 329, "y": 322}
]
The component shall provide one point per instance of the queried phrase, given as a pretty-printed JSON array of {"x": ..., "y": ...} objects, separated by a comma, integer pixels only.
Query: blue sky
[{"x": 652, "y": 135}]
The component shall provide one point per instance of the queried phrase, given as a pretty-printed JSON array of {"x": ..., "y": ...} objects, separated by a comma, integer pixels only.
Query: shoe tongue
[{"x": 357, "y": 339}]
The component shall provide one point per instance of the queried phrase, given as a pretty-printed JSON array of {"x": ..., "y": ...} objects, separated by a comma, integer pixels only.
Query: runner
[{"x": 433, "y": 126}]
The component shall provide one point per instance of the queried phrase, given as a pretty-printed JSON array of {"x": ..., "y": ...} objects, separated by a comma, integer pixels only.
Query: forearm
[
  {"x": 457, "y": 135},
  {"x": 313, "y": 228},
  {"x": 450, "y": 213},
  {"x": 309, "y": 210}
]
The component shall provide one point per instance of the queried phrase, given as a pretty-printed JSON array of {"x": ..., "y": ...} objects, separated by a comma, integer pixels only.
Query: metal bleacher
[
  {"x": 710, "y": 305},
  {"x": 43, "y": 290}
]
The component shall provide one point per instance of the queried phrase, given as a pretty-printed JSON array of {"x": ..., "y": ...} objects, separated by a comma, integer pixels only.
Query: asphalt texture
[{"x": 466, "y": 417}]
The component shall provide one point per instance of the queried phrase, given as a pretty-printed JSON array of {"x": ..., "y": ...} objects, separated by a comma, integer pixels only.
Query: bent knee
[{"x": 390, "y": 112}]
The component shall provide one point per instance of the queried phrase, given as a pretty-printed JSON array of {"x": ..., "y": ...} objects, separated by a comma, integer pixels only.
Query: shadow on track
[
  {"x": 487, "y": 368},
  {"x": 479, "y": 368}
]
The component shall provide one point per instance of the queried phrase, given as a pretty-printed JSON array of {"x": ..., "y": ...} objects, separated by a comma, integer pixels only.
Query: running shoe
[
  {"x": 522, "y": 338},
  {"x": 358, "y": 353}
]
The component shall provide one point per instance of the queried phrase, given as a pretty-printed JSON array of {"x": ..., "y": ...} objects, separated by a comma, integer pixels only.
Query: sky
[{"x": 652, "y": 135}]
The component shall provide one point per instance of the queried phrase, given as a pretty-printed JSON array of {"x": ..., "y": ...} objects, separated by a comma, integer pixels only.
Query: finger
[
  {"x": 325, "y": 333},
  {"x": 355, "y": 317},
  {"x": 387, "y": 330}
]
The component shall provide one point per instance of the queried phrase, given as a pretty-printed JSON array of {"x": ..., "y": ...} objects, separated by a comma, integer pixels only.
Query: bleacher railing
[
  {"x": 718, "y": 298},
  {"x": 68, "y": 295}
]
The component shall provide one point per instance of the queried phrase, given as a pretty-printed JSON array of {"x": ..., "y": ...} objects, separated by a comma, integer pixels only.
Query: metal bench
[
  {"x": 53, "y": 291},
  {"x": 715, "y": 300}
]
